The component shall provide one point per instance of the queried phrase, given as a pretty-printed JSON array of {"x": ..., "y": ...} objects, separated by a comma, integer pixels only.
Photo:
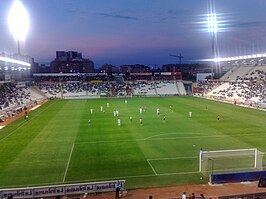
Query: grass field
[{"x": 57, "y": 145}]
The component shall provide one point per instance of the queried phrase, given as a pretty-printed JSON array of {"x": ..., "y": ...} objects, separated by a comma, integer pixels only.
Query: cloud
[
  {"x": 247, "y": 24},
  {"x": 172, "y": 14},
  {"x": 178, "y": 12},
  {"x": 116, "y": 16}
]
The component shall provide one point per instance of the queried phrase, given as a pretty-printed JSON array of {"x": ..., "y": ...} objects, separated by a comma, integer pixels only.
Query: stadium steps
[
  {"x": 181, "y": 88},
  {"x": 216, "y": 90},
  {"x": 154, "y": 86},
  {"x": 38, "y": 91},
  {"x": 240, "y": 72},
  {"x": 226, "y": 76},
  {"x": 178, "y": 91}
]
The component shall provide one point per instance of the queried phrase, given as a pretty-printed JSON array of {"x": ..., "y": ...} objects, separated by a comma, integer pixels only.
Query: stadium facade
[
  {"x": 71, "y": 62},
  {"x": 15, "y": 66}
]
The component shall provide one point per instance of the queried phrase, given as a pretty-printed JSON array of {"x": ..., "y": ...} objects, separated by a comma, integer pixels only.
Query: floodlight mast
[
  {"x": 18, "y": 21},
  {"x": 213, "y": 29}
]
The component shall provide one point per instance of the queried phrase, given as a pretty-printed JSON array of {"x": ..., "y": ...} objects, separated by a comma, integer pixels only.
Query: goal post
[{"x": 230, "y": 160}]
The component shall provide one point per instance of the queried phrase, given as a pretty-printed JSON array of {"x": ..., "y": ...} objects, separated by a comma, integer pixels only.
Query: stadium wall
[
  {"x": 249, "y": 196},
  {"x": 61, "y": 190},
  {"x": 237, "y": 177}
]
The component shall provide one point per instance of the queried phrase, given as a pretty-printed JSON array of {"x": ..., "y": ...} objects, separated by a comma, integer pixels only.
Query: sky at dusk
[{"x": 136, "y": 31}]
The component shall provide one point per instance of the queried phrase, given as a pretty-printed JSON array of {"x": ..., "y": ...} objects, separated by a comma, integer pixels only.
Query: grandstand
[
  {"x": 20, "y": 94},
  {"x": 247, "y": 85},
  {"x": 243, "y": 84},
  {"x": 16, "y": 92},
  {"x": 65, "y": 87}
]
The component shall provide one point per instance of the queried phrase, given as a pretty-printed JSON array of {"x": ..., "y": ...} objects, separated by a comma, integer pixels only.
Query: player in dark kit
[{"x": 164, "y": 118}]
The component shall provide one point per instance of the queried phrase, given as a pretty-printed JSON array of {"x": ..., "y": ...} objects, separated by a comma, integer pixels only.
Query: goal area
[{"x": 225, "y": 161}]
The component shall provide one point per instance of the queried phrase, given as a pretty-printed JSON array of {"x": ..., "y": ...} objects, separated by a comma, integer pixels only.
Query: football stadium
[{"x": 75, "y": 131}]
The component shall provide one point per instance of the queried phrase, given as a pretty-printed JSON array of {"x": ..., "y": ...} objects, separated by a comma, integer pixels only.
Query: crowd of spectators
[
  {"x": 204, "y": 87},
  {"x": 83, "y": 88},
  {"x": 14, "y": 98},
  {"x": 251, "y": 87},
  {"x": 103, "y": 88},
  {"x": 67, "y": 78},
  {"x": 10, "y": 95}
]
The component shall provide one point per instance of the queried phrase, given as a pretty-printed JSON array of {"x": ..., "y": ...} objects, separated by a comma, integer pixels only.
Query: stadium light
[
  {"x": 213, "y": 29},
  {"x": 237, "y": 58},
  {"x": 212, "y": 22},
  {"x": 14, "y": 61},
  {"x": 18, "y": 21}
]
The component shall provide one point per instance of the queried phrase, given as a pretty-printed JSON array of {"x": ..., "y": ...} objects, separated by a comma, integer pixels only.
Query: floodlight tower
[
  {"x": 18, "y": 21},
  {"x": 213, "y": 29}
]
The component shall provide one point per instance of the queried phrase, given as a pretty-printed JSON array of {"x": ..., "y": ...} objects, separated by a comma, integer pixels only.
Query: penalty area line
[
  {"x": 152, "y": 167},
  {"x": 133, "y": 176},
  {"x": 68, "y": 162},
  {"x": 173, "y": 158}
]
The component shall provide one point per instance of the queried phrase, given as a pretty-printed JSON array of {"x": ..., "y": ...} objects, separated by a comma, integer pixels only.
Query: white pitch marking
[
  {"x": 178, "y": 173},
  {"x": 136, "y": 176},
  {"x": 69, "y": 158},
  {"x": 174, "y": 158},
  {"x": 155, "y": 139},
  {"x": 22, "y": 123},
  {"x": 152, "y": 167},
  {"x": 170, "y": 138},
  {"x": 163, "y": 134}
]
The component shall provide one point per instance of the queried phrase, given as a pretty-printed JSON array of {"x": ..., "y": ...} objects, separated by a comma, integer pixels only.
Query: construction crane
[{"x": 180, "y": 57}]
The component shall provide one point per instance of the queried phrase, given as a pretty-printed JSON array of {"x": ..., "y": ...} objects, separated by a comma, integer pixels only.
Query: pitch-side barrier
[
  {"x": 61, "y": 190},
  {"x": 237, "y": 177}
]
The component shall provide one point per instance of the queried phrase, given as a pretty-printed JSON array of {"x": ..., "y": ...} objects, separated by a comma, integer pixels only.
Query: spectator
[
  {"x": 192, "y": 196},
  {"x": 117, "y": 189},
  {"x": 184, "y": 196}
]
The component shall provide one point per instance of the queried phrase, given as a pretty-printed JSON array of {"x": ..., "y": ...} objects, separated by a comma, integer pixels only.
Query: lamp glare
[{"x": 18, "y": 21}]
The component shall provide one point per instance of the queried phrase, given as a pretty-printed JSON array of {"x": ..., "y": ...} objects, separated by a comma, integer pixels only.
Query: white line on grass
[
  {"x": 69, "y": 158},
  {"x": 174, "y": 158},
  {"x": 152, "y": 167},
  {"x": 113, "y": 178},
  {"x": 178, "y": 173},
  {"x": 22, "y": 124},
  {"x": 169, "y": 138},
  {"x": 188, "y": 137},
  {"x": 134, "y": 176},
  {"x": 163, "y": 134}
]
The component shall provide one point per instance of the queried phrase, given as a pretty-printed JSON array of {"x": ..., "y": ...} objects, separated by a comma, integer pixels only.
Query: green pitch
[{"x": 58, "y": 145}]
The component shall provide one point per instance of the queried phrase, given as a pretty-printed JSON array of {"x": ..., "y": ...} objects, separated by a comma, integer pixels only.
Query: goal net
[{"x": 224, "y": 161}]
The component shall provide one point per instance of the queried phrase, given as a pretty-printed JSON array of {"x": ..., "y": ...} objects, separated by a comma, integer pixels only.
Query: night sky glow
[{"x": 136, "y": 31}]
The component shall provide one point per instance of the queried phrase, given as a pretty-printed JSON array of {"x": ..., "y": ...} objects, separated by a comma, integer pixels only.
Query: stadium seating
[
  {"x": 13, "y": 98},
  {"x": 144, "y": 88},
  {"x": 238, "y": 72},
  {"x": 166, "y": 88},
  {"x": 247, "y": 85}
]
